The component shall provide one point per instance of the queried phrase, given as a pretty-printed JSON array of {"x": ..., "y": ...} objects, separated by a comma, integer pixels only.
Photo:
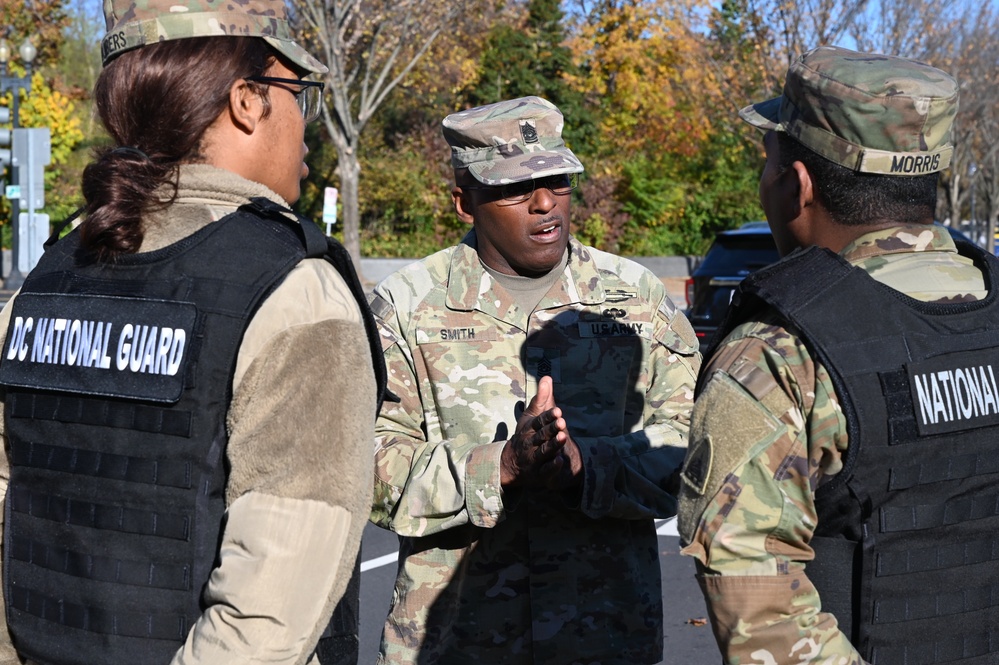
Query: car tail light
[{"x": 689, "y": 291}]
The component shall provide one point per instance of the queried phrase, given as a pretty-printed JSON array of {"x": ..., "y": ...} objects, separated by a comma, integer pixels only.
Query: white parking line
[
  {"x": 380, "y": 561},
  {"x": 667, "y": 527},
  {"x": 663, "y": 528}
]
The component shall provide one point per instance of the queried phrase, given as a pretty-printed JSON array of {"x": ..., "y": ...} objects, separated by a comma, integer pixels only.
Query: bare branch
[{"x": 370, "y": 47}]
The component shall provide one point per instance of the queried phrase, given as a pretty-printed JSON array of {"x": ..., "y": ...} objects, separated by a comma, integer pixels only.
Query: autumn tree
[
  {"x": 658, "y": 85},
  {"x": 370, "y": 48},
  {"x": 966, "y": 45},
  {"x": 528, "y": 55},
  {"x": 48, "y": 105},
  {"x": 666, "y": 84},
  {"x": 42, "y": 20},
  {"x": 958, "y": 36}
]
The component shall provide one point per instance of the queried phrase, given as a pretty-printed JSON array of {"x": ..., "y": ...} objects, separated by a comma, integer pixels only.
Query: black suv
[{"x": 733, "y": 255}]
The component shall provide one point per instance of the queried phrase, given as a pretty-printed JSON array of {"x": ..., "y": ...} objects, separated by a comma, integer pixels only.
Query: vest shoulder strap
[{"x": 319, "y": 245}]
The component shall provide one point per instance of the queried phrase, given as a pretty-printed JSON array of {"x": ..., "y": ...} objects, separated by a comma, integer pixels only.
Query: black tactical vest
[
  {"x": 907, "y": 543},
  {"x": 118, "y": 380}
]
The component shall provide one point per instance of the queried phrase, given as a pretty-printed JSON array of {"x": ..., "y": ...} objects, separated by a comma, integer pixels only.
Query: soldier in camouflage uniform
[
  {"x": 837, "y": 511},
  {"x": 544, "y": 390}
]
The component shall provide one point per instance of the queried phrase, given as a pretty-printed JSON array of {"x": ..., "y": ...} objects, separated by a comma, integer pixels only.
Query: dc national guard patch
[{"x": 132, "y": 348}]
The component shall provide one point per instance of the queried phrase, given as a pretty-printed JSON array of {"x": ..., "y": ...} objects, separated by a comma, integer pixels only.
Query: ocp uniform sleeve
[
  {"x": 424, "y": 487},
  {"x": 764, "y": 431}
]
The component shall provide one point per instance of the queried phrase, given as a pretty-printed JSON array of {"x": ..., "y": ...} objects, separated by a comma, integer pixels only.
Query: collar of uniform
[
  {"x": 901, "y": 239},
  {"x": 205, "y": 194},
  {"x": 466, "y": 291},
  {"x": 204, "y": 183}
]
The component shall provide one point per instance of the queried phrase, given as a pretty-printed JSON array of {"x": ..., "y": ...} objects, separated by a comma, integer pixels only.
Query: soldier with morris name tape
[
  {"x": 840, "y": 489},
  {"x": 191, "y": 378},
  {"x": 527, "y": 534}
]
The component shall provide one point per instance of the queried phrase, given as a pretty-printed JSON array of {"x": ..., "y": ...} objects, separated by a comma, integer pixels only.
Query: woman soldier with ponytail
[{"x": 189, "y": 379}]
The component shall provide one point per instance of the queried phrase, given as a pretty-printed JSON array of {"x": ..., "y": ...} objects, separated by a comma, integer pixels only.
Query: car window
[{"x": 739, "y": 254}]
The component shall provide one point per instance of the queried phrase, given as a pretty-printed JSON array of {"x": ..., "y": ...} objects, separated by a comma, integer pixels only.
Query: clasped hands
[{"x": 541, "y": 452}]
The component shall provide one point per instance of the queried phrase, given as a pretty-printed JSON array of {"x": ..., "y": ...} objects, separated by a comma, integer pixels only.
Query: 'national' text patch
[
  {"x": 954, "y": 392},
  {"x": 99, "y": 345}
]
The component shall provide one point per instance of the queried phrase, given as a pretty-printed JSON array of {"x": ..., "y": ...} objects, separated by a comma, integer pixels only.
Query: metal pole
[
  {"x": 15, "y": 279},
  {"x": 29, "y": 232}
]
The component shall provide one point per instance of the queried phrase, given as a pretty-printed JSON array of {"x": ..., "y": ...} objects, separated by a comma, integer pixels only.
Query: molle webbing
[
  {"x": 102, "y": 568},
  {"x": 905, "y": 551},
  {"x": 116, "y": 497},
  {"x": 71, "y": 409},
  {"x": 164, "y": 627},
  {"x": 166, "y": 472}
]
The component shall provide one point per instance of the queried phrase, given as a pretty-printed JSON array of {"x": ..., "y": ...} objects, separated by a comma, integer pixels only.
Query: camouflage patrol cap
[
  {"x": 135, "y": 23},
  {"x": 870, "y": 113},
  {"x": 510, "y": 141}
]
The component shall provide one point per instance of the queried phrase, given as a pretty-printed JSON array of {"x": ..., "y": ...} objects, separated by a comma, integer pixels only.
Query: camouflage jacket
[
  {"x": 769, "y": 422},
  {"x": 523, "y": 577}
]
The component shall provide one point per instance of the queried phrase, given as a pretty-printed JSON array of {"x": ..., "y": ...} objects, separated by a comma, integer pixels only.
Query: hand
[
  {"x": 533, "y": 455},
  {"x": 569, "y": 463}
]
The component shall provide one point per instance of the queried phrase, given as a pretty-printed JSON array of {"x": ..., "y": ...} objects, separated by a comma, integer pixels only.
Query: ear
[
  {"x": 245, "y": 107},
  {"x": 803, "y": 212},
  {"x": 462, "y": 204},
  {"x": 794, "y": 188},
  {"x": 804, "y": 186}
]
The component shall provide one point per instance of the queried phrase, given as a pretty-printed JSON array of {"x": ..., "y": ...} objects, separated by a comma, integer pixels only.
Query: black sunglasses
[{"x": 518, "y": 192}]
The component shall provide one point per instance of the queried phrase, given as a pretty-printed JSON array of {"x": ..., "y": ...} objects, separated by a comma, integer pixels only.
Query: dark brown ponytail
[{"x": 156, "y": 103}]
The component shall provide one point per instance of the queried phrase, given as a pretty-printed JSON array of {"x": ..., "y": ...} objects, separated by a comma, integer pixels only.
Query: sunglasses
[{"x": 518, "y": 192}]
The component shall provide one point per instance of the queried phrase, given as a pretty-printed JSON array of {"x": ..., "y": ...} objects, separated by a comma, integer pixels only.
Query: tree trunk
[
  {"x": 369, "y": 49},
  {"x": 954, "y": 200},
  {"x": 350, "y": 172}
]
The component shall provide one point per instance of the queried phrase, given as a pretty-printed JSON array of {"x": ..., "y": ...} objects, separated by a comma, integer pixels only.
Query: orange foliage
[{"x": 649, "y": 68}]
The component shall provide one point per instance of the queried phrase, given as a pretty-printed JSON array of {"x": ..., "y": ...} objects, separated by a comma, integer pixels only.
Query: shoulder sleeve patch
[
  {"x": 667, "y": 308},
  {"x": 678, "y": 335},
  {"x": 697, "y": 465},
  {"x": 755, "y": 380},
  {"x": 384, "y": 312},
  {"x": 728, "y": 426}
]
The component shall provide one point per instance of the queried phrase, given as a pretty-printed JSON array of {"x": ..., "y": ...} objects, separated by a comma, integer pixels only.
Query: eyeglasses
[
  {"x": 309, "y": 94},
  {"x": 518, "y": 192}
]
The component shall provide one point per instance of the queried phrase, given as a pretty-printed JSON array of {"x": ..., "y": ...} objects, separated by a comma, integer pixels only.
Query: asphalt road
[{"x": 688, "y": 641}]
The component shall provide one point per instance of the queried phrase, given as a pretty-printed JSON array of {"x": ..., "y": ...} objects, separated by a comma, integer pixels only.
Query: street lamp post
[{"x": 15, "y": 84}]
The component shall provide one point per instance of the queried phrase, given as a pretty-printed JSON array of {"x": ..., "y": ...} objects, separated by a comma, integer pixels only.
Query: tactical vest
[
  {"x": 907, "y": 542},
  {"x": 118, "y": 380}
]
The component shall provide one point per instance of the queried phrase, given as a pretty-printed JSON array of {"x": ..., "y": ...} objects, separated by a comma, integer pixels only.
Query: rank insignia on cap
[{"x": 528, "y": 131}]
